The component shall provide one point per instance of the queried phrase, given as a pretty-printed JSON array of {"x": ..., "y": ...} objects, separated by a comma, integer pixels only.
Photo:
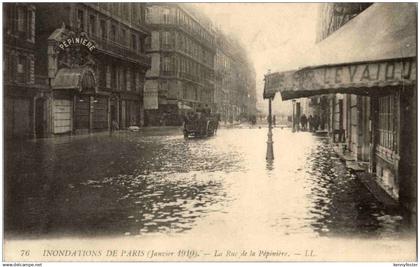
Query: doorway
[{"x": 40, "y": 118}]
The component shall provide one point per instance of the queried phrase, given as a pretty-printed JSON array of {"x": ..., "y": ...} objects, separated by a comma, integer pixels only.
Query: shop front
[
  {"x": 369, "y": 65},
  {"x": 77, "y": 106}
]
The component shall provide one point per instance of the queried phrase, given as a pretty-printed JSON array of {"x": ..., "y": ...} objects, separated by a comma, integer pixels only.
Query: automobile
[{"x": 200, "y": 124}]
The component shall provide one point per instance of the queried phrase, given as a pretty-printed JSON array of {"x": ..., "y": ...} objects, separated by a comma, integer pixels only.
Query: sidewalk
[{"x": 369, "y": 180}]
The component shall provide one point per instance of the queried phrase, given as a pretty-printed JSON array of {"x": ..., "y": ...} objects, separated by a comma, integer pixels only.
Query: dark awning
[
  {"x": 80, "y": 79},
  {"x": 376, "y": 49}
]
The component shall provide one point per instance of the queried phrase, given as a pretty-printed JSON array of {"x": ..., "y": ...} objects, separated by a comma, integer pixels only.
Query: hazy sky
[{"x": 274, "y": 34}]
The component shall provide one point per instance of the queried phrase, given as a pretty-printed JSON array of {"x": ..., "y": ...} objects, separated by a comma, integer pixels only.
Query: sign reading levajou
[{"x": 384, "y": 73}]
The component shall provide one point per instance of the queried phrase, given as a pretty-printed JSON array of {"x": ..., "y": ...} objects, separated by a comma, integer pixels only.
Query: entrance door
[
  {"x": 40, "y": 120},
  {"x": 62, "y": 115}
]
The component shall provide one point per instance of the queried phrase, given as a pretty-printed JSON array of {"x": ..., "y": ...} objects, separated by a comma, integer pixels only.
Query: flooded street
[{"x": 137, "y": 184}]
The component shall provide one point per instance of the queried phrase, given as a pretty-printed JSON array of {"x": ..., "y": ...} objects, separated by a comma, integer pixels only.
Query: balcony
[{"x": 118, "y": 50}]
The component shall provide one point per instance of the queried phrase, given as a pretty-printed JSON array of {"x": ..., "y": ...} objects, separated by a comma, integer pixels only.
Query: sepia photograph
[{"x": 209, "y": 132}]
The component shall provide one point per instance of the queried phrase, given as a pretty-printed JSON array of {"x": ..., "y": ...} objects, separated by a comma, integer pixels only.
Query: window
[
  {"x": 387, "y": 126},
  {"x": 148, "y": 42},
  {"x": 113, "y": 32},
  {"x": 184, "y": 93},
  {"x": 166, "y": 40},
  {"x": 92, "y": 25},
  {"x": 31, "y": 25},
  {"x": 80, "y": 18},
  {"x": 123, "y": 79},
  {"x": 103, "y": 29},
  {"x": 134, "y": 75},
  {"x": 123, "y": 36},
  {"x": 166, "y": 16},
  {"x": 108, "y": 76},
  {"x": 21, "y": 19},
  {"x": 166, "y": 65},
  {"x": 134, "y": 42},
  {"x": 114, "y": 77},
  {"x": 20, "y": 68},
  {"x": 128, "y": 78}
]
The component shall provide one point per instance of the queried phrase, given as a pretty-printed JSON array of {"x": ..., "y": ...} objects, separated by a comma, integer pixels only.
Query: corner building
[
  {"x": 93, "y": 59},
  {"x": 182, "y": 50}
]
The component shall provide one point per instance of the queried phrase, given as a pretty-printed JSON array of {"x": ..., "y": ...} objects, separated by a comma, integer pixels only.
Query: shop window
[{"x": 387, "y": 126}]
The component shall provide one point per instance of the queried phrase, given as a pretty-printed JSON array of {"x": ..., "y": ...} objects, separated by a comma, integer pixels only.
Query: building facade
[
  {"x": 372, "y": 119},
  {"x": 82, "y": 66},
  {"x": 21, "y": 87},
  {"x": 182, "y": 49},
  {"x": 235, "y": 85}
]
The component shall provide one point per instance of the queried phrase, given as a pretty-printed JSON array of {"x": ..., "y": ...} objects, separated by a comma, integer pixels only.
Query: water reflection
[{"x": 138, "y": 184}]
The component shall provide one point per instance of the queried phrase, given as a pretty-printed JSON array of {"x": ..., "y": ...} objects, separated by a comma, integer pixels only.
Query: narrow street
[{"x": 155, "y": 182}]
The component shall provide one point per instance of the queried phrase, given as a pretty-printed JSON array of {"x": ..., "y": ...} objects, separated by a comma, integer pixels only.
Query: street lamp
[{"x": 270, "y": 152}]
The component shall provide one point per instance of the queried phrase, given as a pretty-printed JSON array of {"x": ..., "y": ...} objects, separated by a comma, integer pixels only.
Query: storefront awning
[
  {"x": 376, "y": 49},
  {"x": 80, "y": 79}
]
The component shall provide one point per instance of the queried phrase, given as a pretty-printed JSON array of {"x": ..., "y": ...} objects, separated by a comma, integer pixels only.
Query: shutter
[{"x": 31, "y": 70}]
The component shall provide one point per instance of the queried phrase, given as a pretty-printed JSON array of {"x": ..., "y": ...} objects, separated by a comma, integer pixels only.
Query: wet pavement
[{"x": 155, "y": 182}]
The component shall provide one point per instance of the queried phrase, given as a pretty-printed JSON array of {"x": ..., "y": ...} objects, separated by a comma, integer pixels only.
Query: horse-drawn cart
[{"x": 200, "y": 124}]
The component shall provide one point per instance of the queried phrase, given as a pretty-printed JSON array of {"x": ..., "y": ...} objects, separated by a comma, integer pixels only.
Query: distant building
[
  {"x": 182, "y": 76},
  {"x": 235, "y": 85},
  {"x": 77, "y": 67}
]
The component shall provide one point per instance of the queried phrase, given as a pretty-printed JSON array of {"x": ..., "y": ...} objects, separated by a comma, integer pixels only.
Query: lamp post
[
  {"x": 270, "y": 152},
  {"x": 293, "y": 116}
]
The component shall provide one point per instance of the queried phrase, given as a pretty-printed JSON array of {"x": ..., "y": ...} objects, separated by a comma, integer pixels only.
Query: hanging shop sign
[
  {"x": 77, "y": 41},
  {"x": 355, "y": 75}
]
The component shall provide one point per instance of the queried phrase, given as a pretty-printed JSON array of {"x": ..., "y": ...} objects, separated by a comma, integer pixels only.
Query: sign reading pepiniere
[
  {"x": 342, "y": 78},
  {"x": 77, "y": 40}
]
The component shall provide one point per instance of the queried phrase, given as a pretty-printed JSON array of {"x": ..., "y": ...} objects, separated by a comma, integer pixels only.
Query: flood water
[{"x": 135, "y": 184}]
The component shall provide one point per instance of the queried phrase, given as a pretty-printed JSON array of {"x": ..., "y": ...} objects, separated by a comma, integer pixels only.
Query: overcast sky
[{"x": 274, "y": 34}]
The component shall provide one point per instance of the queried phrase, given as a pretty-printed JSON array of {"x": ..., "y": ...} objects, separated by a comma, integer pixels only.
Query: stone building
[
  {"x": 92, "y": 57},
  {"x": 182, "y": 49},
  {"x": 235, "y": 85},
  {"x": 21, "y": 87}
]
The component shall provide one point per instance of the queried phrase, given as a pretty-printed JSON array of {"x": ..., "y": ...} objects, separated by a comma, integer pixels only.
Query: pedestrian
[
  {"x": 316, "y": 122},
  {"x": 311, "y": 123},
  {"x": 114, "y": 126},
  {"x": 274, "y": 120},
  {"x": 303, "y": 122}
]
